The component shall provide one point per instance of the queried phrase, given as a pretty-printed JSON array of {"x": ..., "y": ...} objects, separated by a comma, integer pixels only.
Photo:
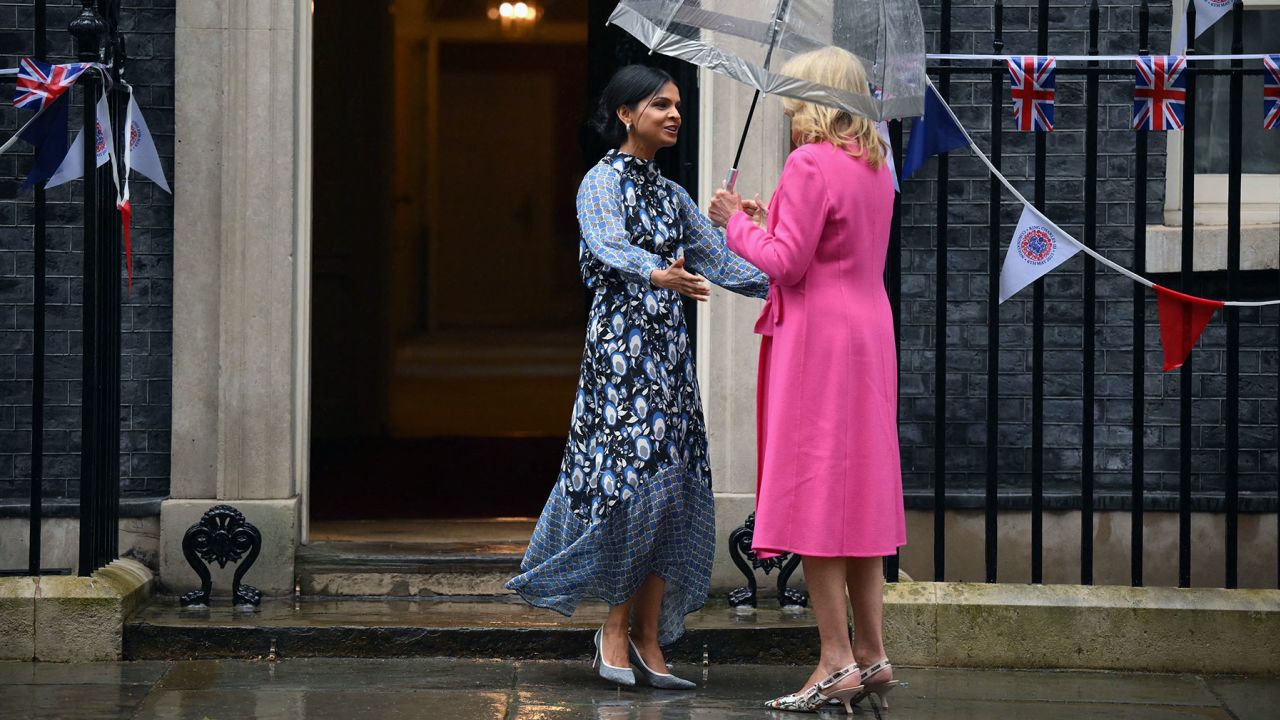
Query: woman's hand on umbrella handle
[
  {"x": 682, "y": 281},
  {"x": 756, "y": 209},
  {"x": 723, "y": 206}
]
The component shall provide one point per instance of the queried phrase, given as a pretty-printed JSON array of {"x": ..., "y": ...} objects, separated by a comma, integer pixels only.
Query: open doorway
[{"x": 449, "y": 313}]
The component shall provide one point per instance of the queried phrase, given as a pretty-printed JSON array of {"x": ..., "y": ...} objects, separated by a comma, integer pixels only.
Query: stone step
[
  {"x": 405, "y": 570},
  {"x": 387, "y": 627},
  {"x": 936, "y": 624}
]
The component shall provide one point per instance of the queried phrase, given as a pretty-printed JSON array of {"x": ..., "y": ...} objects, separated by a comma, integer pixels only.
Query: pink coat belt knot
[{"x": 771, "y": 315}]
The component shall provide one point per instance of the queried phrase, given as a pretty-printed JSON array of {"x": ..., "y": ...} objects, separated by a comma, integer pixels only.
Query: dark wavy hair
[{"x": 629, "y": 86}]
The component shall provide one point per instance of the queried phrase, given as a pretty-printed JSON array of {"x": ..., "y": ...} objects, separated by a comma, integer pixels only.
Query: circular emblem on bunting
[
  {"x": 134, "y": 136},
  {"x": 1036, "y": 245},
  {"x": 1220, "y": 3},
  {"x": 100, "y": 145}
]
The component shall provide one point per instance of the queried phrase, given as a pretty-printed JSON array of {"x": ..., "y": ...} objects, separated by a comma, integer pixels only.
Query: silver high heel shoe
[
  {"x": 879, "y": 689},
  {"x": 665, "y": 681},
  {"x": 622, "y": 676},
  {"x": 820, "y": 694}
]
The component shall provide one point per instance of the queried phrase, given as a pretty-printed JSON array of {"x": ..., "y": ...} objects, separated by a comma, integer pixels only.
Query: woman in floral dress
[{"x": 631, "y": 519}]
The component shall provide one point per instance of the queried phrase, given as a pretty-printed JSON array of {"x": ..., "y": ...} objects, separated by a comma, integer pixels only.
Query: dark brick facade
[
  {"x": 967, "y": 288},
  {"x": 146, "y": 316}
]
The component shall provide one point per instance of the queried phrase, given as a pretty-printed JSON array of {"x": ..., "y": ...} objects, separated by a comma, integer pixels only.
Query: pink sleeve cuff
[{"x": 734, "y": 232}]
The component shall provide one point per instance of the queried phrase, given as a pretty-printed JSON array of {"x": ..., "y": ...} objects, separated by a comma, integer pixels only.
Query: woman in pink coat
[{"x": 830, "y": 485}]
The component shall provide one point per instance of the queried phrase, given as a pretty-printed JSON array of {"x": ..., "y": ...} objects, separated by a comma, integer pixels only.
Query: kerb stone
[
  {"x": 80, "y": 619},
  {"x": 17, "y": 618}
]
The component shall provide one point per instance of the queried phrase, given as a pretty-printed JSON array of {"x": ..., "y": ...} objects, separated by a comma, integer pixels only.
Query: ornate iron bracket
[
  {"x": 741, "y": 553},
  {"x": 222, "y": 535}
]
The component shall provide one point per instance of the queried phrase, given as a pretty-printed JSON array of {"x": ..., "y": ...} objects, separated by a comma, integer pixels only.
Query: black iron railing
[
  {"x": 100, "y": 395},
  {"x": 39, "y": 241},
  {"x": 1092, "y": 73}
]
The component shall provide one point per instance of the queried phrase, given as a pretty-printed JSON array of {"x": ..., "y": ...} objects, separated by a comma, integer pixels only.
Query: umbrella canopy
[{"x": 748, "y": 39}]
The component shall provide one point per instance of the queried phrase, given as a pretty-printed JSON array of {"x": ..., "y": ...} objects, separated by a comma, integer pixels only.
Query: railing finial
[{"x": 89, "y": 30}]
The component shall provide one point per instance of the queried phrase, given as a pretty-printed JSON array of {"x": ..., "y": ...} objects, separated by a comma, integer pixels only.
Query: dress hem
[
  {"x": 539, "y": 601},
  {"x": 766, "y": 553}
]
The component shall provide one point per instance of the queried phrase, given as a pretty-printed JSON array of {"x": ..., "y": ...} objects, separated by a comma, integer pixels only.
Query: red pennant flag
[
  {"x": 126, "y": 211},
  {"x": 1182, "y": 319}
]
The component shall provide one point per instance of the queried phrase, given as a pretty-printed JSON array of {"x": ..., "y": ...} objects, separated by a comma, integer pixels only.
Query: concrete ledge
[
  {"x": 138, "y": 538},
  {"x": 67, "y": 618},
  {"x": 1072, "y": 626}
]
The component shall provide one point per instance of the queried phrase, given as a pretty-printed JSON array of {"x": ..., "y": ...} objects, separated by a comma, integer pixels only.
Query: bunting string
[
  {"x": 4, "y": 72},
  {"x": 1084, "y": 248},
  {"x": 44, "y": 86},
  {"x": 1097, "y": 58}
]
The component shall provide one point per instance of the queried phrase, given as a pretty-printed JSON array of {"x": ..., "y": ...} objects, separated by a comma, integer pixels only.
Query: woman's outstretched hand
[
  {"x": 758, "y": 212},
  {"x": 682, "y": 281},
  {"x": 723, "y": 206}
]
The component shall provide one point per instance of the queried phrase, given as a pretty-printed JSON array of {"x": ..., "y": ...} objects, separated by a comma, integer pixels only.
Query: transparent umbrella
[{"x": 749, "y": 39}]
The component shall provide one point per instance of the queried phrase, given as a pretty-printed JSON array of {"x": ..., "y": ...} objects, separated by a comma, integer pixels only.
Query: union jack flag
[
  {"x": 1032, "y": 84},
  {"x": 1271, "y": 92},
  {"x": 39, "y": 84},
  {"x": 1160, "y": 95}
]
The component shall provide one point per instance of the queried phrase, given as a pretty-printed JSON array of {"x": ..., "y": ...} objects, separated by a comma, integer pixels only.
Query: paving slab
[
  {"x": 917, "y": 708},
  {"x": 96, "y": 673},
  {"x": 555, "y": 683},
  {"x": 628, "y": 710},
  {"x": 325, "y": 674},
  {"x": 1058, "y": 686},
  {"x": 59, "y": 702},
  {"x": 1248, "y": 698},
  {"x": 322, "y": 705}
]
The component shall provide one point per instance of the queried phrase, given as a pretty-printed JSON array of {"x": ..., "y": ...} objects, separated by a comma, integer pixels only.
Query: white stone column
[
  {"x": 240, "y": 303},
  {"x": 728, "y": 349}
]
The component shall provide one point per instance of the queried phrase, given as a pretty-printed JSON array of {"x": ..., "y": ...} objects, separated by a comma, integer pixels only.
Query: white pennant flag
[
  {"x": 1208, "y": 12},
  {"x": 883, "y": 129},
  {"x": 142, "y": 155},
  {"x": 1038, "y": 246},
  {"x": 72, "y": 167}
]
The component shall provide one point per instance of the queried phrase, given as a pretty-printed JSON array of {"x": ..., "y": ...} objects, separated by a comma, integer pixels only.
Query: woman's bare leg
[
  {"x": 866, "y": 592},
  {"x": 825, "y": 578},
  {"x": 644, "y": 623},
  {"x": 614, "y": 639}
]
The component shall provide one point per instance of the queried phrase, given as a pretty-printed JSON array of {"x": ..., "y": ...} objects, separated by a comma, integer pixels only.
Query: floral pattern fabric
[
  {"x": 637, "y": 408},
  {"x": 633, "y": 496}
]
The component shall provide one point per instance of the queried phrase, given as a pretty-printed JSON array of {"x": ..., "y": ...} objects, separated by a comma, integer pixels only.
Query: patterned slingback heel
[
  {"x": 871, "y": 687},
  {"x": 817, "y": 696}
]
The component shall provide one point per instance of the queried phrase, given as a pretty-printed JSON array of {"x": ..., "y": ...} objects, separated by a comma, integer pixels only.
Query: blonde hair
[{"x": 840, "y": 69}]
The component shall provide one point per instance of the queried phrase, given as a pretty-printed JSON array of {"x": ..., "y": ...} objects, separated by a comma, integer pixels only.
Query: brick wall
[
  {"x": 146, "y": 341},
  {"x": 966, "y": 298}
]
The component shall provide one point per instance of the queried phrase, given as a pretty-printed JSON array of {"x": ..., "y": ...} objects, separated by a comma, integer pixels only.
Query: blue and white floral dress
[{"x": 634, "y": 492}]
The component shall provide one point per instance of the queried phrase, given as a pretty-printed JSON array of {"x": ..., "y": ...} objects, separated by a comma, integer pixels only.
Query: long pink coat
[{"x": 830, "y": 476}]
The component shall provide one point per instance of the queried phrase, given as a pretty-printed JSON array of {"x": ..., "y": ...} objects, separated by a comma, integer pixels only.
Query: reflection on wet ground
[{"x": 449, "y": 689}]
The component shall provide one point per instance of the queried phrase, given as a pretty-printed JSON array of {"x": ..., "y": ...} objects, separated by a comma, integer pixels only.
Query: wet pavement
[{"x": 449, "y": 689}]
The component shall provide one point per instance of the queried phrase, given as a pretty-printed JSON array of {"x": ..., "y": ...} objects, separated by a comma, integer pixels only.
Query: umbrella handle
[{"x": 731, "y": 179}]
